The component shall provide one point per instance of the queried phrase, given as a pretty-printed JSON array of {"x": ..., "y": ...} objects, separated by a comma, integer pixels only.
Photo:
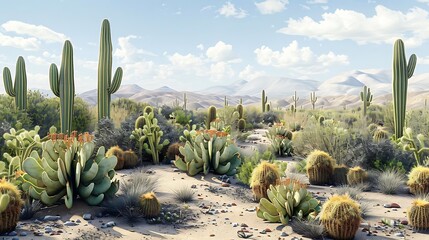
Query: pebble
[
  {"x": 212, "y": 235},
  {"x": 38, "y": 234},
  {"x": 194, "y": 186},
  {"x": 268, "y": 230},
  {"x": 244, "y": 225},
  {"x": 78, "y": 221},
  {"x": 250, "y": 209},
  {"x": 225, "y": 185},
  {"x": 51, "y": 218},
  {"x": 111, "y": 224},
  {"x": 263, "y": 232},
  {"x": 70, "y": 223},
  {"x": 87, "y": 216},
  {"x": 48, "y": 229},
  {"x": 399, "y": 234},
  {"x": 23, "y": 234},
  {"x": 391, "y": 205},
  {"x": 234, "y": 224},
  {"x": 404, "y": 222},
  {"x": 283, "y": 234},
  {"x": 176, "y": 170},
  {"x": 13, "y": 233}
]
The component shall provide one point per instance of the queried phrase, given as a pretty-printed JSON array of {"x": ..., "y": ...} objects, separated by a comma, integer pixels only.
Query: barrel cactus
[
  {"x": 66, "y": 169},
  {"x": 380, "y": 134},
  {"x": 150, "y": 205},
  {"x": 340, "y": 175},
  {"x": 131, "y": 160},
  {"x": 356, "y": 176},
  {"x": 118, "y": 153},
  {"x": 341, "y": 217},
  {"x": 286, "y": 201},
  {"x": 418, "y": 214},
  {"x": 264, "y": 175},
  {"x": 10, "y": 206},
  {"x": 320, "y": 167},
  {"x": 208, "y": 150},
  {"x": 418, "y": 180}
]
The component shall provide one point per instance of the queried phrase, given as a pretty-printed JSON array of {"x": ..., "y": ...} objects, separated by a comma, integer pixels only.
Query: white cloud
[
  {"x": 325, "y": 7},
  {"x": 221, "y": 71},
  {"x": 298, "y": 59},
  {"x": 208, "y": 7},
  {"x": 317, "y": 1},
  {"x": 271, "y": 6},
  {"x": 200, "y": 46},
  {"x": 219, "y": 52},
  {"x": 229, "y": 10},
  {"x": 423, "y": 1},
  {"x": 384, "y": 27},
  {"x": 188, "y": 60},
  {"x": 127, "y": 52},
  {"x": 248, "y": 73},
  {"x": 38, "y": 31},
  {"x": 28, "y": 44}
]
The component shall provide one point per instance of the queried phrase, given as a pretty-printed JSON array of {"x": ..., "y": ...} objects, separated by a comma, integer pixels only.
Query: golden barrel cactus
[
  {"x": 10, "y": 206},
  {"x": 418, "y": 180},
  {"x": 131, "y": 160},
  {"x": 264, "y": 175},
  {"x": 118, "y": 152},
  {"x": 356, "y": 175},
  {"x": 418, "y": 214},
  {"x": 150, "y": 205},
  {"x": 341, "y": 217},
  {"x": 320, "y": 167}
]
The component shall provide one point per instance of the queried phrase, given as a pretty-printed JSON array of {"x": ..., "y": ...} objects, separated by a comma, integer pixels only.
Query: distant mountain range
[{"x": 339, "y": 91}]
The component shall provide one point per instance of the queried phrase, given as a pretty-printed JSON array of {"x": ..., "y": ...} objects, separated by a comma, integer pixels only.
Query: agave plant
[
  {"x": 286, "y": 201},
  {"x": 281, "y": 139},
  {"x": 67, "y": 169},
  {"x": 208, "y": 150}
]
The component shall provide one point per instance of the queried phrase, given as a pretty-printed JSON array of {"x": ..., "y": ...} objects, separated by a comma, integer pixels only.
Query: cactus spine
[
  {"x": 62, "y": 85},
  {"x": 366, "y": 98},
  {"x": 106, "y": 85},
  {"x": 401, "y": 73},
  {"x": 264, "y": 100},
  {"x": 313, "y": 99},
  {"x": 19, "y": 88}
]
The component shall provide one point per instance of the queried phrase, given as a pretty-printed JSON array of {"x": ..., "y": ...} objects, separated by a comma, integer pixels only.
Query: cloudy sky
[{"x": 192, "y": 45}]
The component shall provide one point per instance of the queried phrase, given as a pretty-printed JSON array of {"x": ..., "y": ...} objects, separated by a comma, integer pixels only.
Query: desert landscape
[{"x": 215, "y": 130}]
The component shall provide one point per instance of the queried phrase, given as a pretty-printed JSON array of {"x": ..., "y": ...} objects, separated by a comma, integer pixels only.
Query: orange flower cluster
[
  {"x": 213, "y": 132},
  {"x": 68, "y": 140}
]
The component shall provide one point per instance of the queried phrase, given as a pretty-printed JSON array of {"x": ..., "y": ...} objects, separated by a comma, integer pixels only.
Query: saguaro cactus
[
  {"x": 401, "y": 73},
  {"x": 62, "y": 86},
  {"x": 106, "y": 85},
  {"x": 211, "y": 116},
  {"x": 19, "y": 88},
  {"x": 295, "y": 99},
  {"x": 366, "y": 98},
  {"x": 264, "y": 100},
  {"x": 313, "y": 99},
  {"x": 185, "y": 101}
]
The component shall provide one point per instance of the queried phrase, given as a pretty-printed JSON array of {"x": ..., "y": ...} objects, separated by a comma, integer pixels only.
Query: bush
[
  {"x": 390, "y": 181},
  {"x": 270, "y": 118},
  {"x": 105, "y": 134},
  {"x": 184, "y": 194}
]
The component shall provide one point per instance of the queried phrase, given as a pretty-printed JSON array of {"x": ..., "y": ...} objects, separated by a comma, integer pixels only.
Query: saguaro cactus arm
[
  {"x": 54, "y": 80},
  {"x": 7, "y": 80}
]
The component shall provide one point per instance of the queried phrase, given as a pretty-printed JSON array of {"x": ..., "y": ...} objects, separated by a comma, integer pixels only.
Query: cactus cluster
[
  {"x": 286, "y": 201},
  {"x": 66, "y": 169},
  {"x": 416, "y": 145},
  {"x": 281, "y": 139},
  {"x": 340, "y": 175},
  {"x": 10, "y": 206},
  {"x": 19, "y": 88},
  {"x": 366, "y": 98},
  {"x": 150, "y": 205},
  {"x": 149, "y": 136},
  {"x": 106, "y": 84},
  {"x": 418, "y": 214},
  {"x": 208, "y": 150},
  {"x": 401, "y": 73},
  {"x": 320, "y": 167},
  {"x": 264, "y": 175},
  {"x": 341, "y": 217},
  {"x": 241, "y": 124},
  {"x": 62, "y": 85}
]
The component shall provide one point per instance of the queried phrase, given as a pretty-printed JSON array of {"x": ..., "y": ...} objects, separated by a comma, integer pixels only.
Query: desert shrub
[
  {"x": 183, "y": 117},
  {"x": 418, "y": 120},
  {"x": 355, "y": 192},
  {"x": 124, "y": 133},
  {"x": 105, "y": 134},
  {"x": 29, "y": 208},
  {"x": 199, "y": 118},
  {"x": 310, "y": 229},
  {"x": 171, "y": 132},
  {"x": 270, "y": 117},
  {"x": 244, "y": 171},
  {"x": 127, "y": 204},
  {"x": 390, "y": 181},
  {"x": 44, "y": 112},
  {"x": 184, "y": 194},
  {"x": 253, "y": 117},
  {"x": 82, "y": 119}
]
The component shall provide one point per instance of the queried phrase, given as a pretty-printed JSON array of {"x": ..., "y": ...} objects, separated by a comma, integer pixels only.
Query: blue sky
[{"x": 192, "y": 45}]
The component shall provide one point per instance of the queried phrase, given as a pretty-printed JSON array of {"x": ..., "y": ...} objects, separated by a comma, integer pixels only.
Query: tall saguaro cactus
[
  {"x": 295, "y": 99},
  {"x": 366, "y": 98},
  {"x": 185, "y": 101},
  {"x": 313, "y": 99},
  {"x": 401, "y": 73},
  {"x": 106, "y": 85},
  {"x": 264, "y": 101},
  {"x": 19, "y": 88},
  {"x": 62, "y": 85}
]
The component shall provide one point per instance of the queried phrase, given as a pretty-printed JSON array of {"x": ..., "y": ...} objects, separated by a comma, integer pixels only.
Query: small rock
[
  {"x": 13, "y": 233},
  {"x": 399, "y": 234},
  {"x": 194, "y": 186},
  {"x": 111, "y": 224},
  {"x": 295, "y": 238},
  {"x": 234, "y": 224},
  {"x": 263, "y": 232},
  {"x": 70, "y": 223},
  {"x": 225, "y": 185},
  {"x": 87, "y": 216},
  {"x": 38, "y": 234},
  {"x": 395, "y": 209},
  {"x": 234, "y": 204},
  {"x": 268, "y": 230},
  {"x": 283, "y": 234},
  {"x": 51, "y": 218},
  {"x": 251, "y": 209},
  {"x": 176, "y": 170},
  {"x": 48, "y": 230},
  {"x": 23, "y": 234},
  {"x": 244, "y": 225},
  {"x": 391, "y": 205},
  {"x": 103, "y": 225},
  {"x": 404, "y": 222},
  {"x": 212, "y": 235},
  {"x": 150, "y": 171},
  {"x": 78, "y": 221}
]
